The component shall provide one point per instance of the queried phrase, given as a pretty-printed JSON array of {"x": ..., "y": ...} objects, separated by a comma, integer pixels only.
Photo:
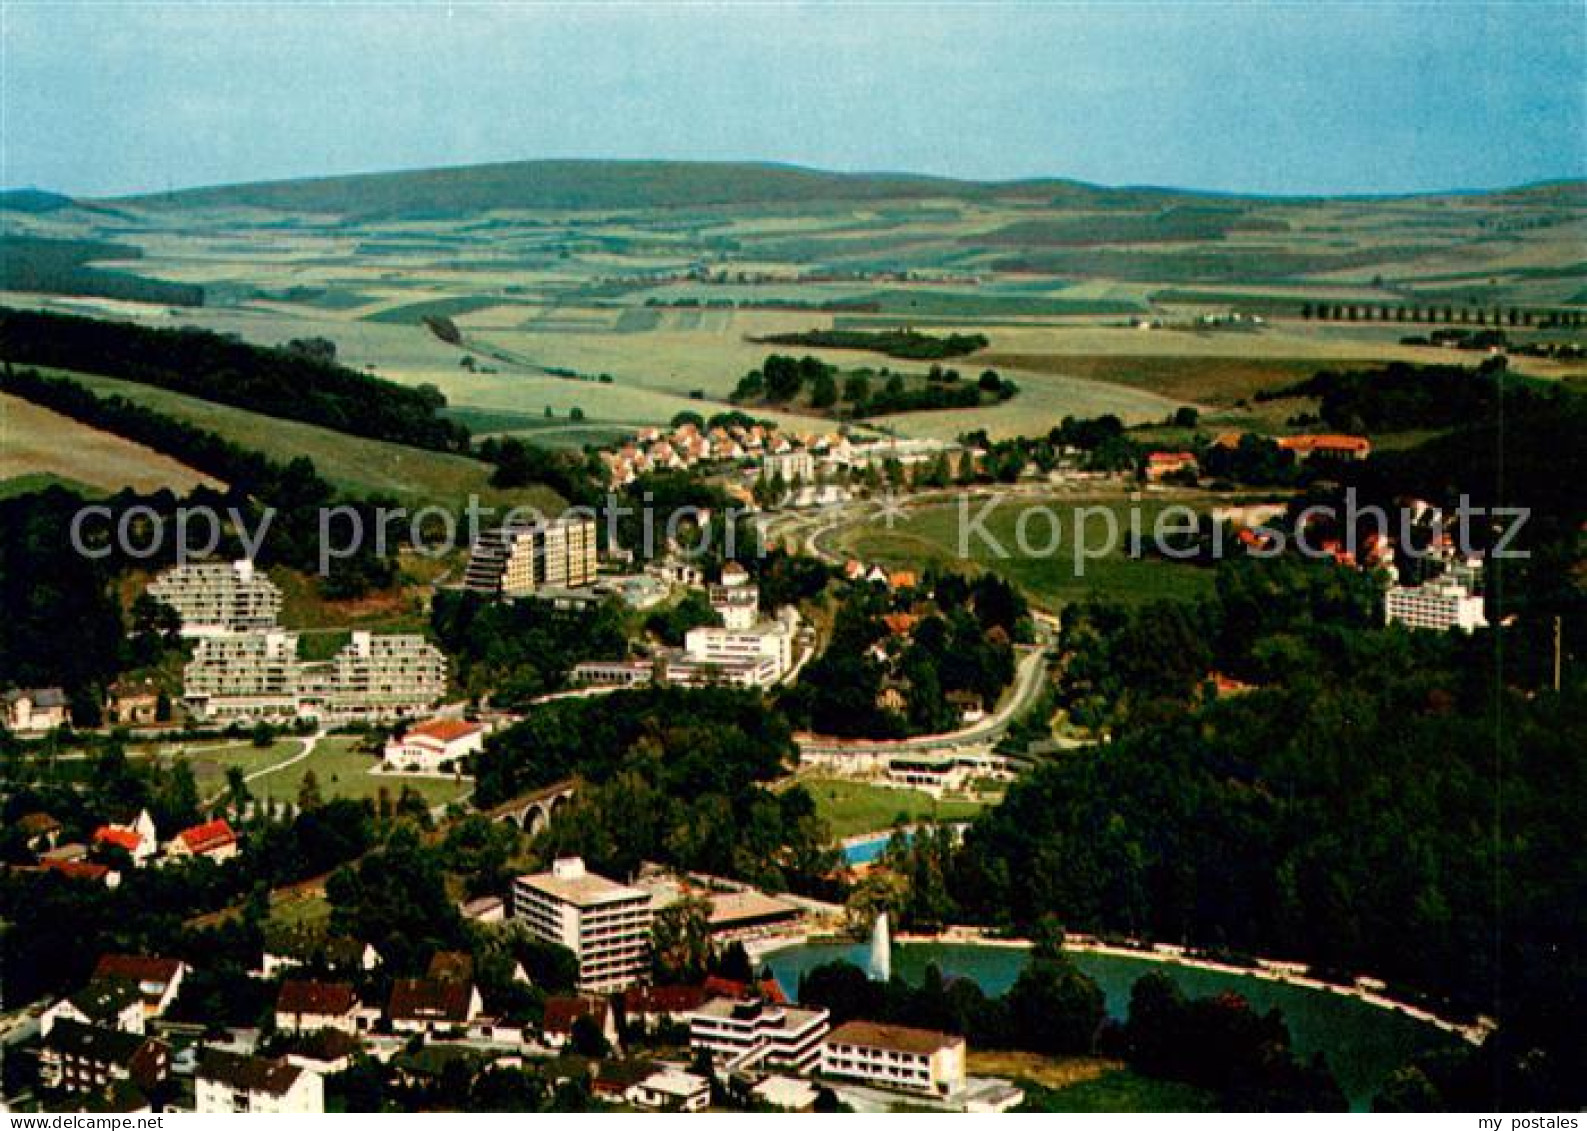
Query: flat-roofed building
[
  {"x": 896, "y": 1056},
  {"x": 520, "y": 559},
  {"x": 740, "y": 1033},
  {"x": 604, "y": 923},
  {"x": 1441, "y": 604},
  {"x": 259, "y": 676},
  {"x": 217, "y": 598}
]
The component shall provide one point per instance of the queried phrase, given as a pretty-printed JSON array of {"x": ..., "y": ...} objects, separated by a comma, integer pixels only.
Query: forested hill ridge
[{"x": 594, "y": 184}]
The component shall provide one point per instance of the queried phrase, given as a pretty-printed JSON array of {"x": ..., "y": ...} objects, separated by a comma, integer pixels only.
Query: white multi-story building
[
  {"x": 800, "y": 465},
  {"x": 604, "y": 923},
  {"x": 515, "y": 561},
  {"x": 896, "y": 1056},
  {"x": 767, "y": 645},
  {"x": 228, "y": 1083},
  {"x": 216, "y": 598},
  {"x": 258, "y": 676},
  {"x": 740, "y": 1034},
  {"x": 1440, "y": 604},
  {"x": 735, "y": 600},
  {"x": 253, "y": 676}
]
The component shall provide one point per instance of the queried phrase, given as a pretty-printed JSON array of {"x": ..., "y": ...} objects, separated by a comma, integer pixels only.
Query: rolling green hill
[{"x": 608, "y": 185}]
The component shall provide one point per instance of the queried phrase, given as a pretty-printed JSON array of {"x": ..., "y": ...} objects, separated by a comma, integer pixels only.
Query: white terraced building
[
  {"x": 604, "y": 923},
  {"x": 755, "y": 1033},
  {"x": 519, "y": 560},
  {"x": 218, "y": 598},
  {"x": 259, "y": 677}
]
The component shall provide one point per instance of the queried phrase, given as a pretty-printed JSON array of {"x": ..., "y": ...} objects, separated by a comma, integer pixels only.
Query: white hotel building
[
  {"x": 217, "y": 598},
  {"x": 755, "y": 1033},
  {"x": 605, "y": 924}
]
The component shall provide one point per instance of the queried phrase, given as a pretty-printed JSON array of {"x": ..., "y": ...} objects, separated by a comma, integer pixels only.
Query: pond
[{"x": 1363, "y": 1043}]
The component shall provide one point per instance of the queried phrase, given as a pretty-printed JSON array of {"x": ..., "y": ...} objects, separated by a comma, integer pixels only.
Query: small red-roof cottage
[
  {"x": 158, "y": 980},
  {"x": 433, "y": 745},
  {"x": 1160, "y": 465},
  {"x": 137, "y": 838},
  {"x": 766, "y": 989},
  {"x": 214, "y": 840}
]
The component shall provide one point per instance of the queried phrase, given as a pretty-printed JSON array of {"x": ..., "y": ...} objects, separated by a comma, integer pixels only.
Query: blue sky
[{"x": 106, "y": 98}]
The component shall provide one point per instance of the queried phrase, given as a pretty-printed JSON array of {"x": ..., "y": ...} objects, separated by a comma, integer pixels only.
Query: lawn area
[
  {"x": 932, "y": 535},
  {"x": 852, "y": 807},
  {"x": 343, "y": 771},
  {"x": 1119, "y": 1090},
  {"x": 1048, "y": 1071},
  {"x": 210, "y": 761}
]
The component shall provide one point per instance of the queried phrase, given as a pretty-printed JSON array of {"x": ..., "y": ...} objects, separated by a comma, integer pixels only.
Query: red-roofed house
[
  {"x": 158, "y": 980},
  {"x": 213, "y": 839},
  {"x": 1160, "y": 465},
  {"x": 137, "y": 839},
  {"x": 766, "y": 989},
  {"x": 1327, "y": 446},
  {"x": 433, "y": 745}
]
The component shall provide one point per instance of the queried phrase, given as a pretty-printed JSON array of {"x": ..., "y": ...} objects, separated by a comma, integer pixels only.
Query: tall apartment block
[
  {"x": 604, "y": 923},
  {"x": 516, "y": 561},
  {"x": 216, "y": 598}
]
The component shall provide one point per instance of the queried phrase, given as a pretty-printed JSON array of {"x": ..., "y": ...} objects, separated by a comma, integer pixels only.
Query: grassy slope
[
  {"x": 932, "y": 536},
  {"x": 38, "y": 445},
  {"x": 352, "y": 463}
]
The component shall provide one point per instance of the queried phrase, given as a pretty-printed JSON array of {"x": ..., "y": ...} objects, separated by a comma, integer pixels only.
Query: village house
[
  {"x": 563, "y": 1013},
  {"x": 306, "y": 1006},
  {"x": 229, "y": 1083},
  {"x": 111, "y": 1004},
  {"x": 33, "y": 710},
  {"x": 213, "y": 840},
  {"x": 81, "y": 870},
  {"x": 85, "y": 1058},
  {"x": 649, "y": 1007},
  {"x": 434, "y": 745},
  {"x": 132, "y": 704},
  {"x": 40, "y": 831},
  {"x": 157, "y": 980},
  {"x": 136, "y": 838},
  {"x": 670, "y": 1089},
  {"x": 432, "y": 1005},
  {"x": 1160, "y": 465}
]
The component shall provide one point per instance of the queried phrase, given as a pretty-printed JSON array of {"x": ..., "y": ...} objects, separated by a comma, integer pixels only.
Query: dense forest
[
  {"x": 303, "y": 383},
  {"x": 936, "y": 655},
  {"x": 516, "y": 651},
  {"x": 1353, "y": 810},
  {"x": 863, "y": 393},
  {"x": 680, "y": 776}
]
